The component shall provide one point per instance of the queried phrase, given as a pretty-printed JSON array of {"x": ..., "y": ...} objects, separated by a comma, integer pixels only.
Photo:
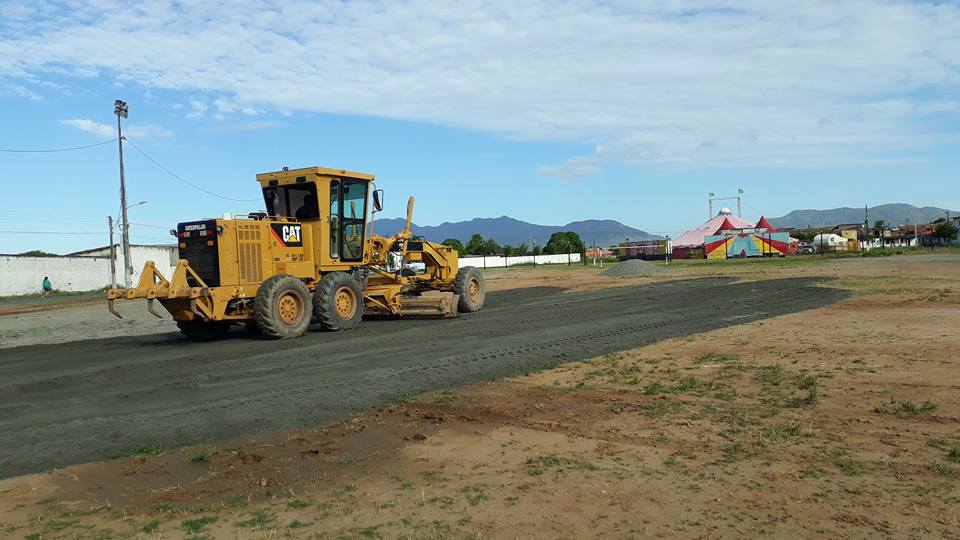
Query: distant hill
[
  {"x": 507, "y": 230},
  {"x": 892, "y": 214}
]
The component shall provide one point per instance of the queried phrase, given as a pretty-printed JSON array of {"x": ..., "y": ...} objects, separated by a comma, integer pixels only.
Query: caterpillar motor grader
[{"x": 311, "y": 257}]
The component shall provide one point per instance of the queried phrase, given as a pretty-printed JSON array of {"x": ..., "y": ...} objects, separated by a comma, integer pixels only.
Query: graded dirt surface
[
  {"x": 840, "y": 421},
  {"x": 89, "y": 400}
]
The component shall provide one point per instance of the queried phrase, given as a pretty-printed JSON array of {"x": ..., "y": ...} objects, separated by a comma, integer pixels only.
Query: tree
[
  {"x": 490, "y": 247},
  {"x": 537, "y": 250},
  {"x": 38, "y": 253},
  {"x": 521, "y": 249},
  {"x": 878, "y": 227},
  {"x": 506, "y": 250},
  {"x": 564, "y": 242},
  {"x": 946, "y": 232},
  {"x": 476, "y": 245},
  {"x": 456, "y": 244}
]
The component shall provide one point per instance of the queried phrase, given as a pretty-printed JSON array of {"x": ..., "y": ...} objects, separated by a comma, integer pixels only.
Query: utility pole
[
  {"x": 113, "y": 256},
  {"x": 866, "y": 224},
  {"x": 120, "y": 109}
]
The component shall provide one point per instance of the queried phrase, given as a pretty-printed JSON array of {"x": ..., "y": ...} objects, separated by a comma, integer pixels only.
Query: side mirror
[{"x": 378, "y": 200}]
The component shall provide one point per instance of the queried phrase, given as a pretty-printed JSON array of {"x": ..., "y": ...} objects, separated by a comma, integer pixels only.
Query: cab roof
[{"x": 290, "y": 176}]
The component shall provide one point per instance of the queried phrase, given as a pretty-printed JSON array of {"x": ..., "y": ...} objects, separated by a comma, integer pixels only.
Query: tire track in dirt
[{"x": 89, "y": 400}]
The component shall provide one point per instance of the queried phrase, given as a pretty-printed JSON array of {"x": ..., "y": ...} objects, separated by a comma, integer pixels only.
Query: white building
[{"x": 165, "y": 257}]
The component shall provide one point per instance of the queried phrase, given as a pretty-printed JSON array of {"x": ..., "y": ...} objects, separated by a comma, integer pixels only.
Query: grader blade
[{"x": 435, "y": 305}]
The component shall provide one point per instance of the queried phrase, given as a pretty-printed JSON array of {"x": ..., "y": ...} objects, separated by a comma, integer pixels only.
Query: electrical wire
[
  {"x": 175, "y": 175},
  {"x": 49, "y": 232},
  {"x": 49, "y": 150}
]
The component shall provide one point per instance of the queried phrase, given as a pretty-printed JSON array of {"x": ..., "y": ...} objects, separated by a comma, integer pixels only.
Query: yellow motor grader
[{"x": 311, "y": 257}]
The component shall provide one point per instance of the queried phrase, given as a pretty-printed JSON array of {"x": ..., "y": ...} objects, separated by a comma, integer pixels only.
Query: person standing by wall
[{"x": 47, "y": 286}]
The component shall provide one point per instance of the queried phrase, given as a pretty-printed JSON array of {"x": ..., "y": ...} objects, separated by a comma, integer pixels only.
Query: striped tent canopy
[{"x": 694, "y": 237}]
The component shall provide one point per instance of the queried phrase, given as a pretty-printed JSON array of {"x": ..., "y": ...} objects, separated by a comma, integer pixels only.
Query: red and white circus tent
[{"x": 723, "y": 221}]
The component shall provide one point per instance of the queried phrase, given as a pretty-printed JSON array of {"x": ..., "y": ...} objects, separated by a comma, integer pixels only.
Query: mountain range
[
  {"x": 891, "y": 214},
  {"x": 507, "y": 230}
]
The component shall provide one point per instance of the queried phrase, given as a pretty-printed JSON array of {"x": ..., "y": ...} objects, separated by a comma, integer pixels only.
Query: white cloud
[
  {"x": 801, "y": 84},
  {"x": 90, "y": 126},
  {"x": 104, "y": 130}
]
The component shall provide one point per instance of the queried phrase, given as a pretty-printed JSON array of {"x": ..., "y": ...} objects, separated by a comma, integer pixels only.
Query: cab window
[{"x": 295, "y": 201}]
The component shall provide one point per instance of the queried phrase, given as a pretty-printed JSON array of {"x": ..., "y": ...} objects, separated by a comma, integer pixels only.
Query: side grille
[{"x": 251, "y": 260}]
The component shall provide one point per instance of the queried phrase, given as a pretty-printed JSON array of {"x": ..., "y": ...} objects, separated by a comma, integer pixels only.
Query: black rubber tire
[
  {"x": 266, "y": 307},
  {"x": 324, "y": 301},
  {"x": 198, "y": 330},
  {"x": 461, "y": 286}
]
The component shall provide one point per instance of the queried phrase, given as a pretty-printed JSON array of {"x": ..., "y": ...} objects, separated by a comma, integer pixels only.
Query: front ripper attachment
[{"x": 153, "y": 285}]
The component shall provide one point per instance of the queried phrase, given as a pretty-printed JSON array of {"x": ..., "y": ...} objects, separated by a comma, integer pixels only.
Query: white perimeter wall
[
  {"x": 164, "y": 256},
  {"x": 497, "y": 261},
  {"x": 24, "y": 275}
]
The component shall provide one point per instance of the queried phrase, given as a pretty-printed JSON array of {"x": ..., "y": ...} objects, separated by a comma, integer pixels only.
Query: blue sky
[{"x": 548, "y": 112}]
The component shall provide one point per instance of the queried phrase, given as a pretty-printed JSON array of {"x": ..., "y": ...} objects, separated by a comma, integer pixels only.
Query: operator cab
[{"x": 337, "y": 199}]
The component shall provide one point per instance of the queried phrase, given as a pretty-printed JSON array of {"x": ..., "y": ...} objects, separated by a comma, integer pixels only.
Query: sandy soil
[{"x": 843, "y": 421}]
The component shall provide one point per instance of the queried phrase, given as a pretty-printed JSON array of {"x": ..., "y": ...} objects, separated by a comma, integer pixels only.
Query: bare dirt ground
[{"x": 839, "y": 421}]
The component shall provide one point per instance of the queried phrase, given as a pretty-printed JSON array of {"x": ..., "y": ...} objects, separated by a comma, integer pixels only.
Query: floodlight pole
[
  {"x": 121, "y": 110},
  {"x": 113, "y": 256}
]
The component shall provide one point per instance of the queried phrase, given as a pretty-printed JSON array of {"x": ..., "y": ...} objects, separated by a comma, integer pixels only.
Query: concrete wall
[
  {"x": 24, "y": 275},
  {"x": 164, "y": 256},
  {"x": 496, "y": 261}
]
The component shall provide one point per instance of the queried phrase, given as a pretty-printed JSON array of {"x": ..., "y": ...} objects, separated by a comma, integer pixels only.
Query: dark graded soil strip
[{"x": 91, "y": 400}]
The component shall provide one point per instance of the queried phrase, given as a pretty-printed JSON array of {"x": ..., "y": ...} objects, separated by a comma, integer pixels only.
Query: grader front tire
[
  {"x": 338, "y": 302},
  {"x": 281, "y": 307}
]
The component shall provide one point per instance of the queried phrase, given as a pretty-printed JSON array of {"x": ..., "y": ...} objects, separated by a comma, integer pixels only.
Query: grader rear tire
[
  {"x": 338, "y": 302},
  {"x": 472, "y": 289},
  {"x": 203, "y": 330},
  {"x": 281, "y": 307}
]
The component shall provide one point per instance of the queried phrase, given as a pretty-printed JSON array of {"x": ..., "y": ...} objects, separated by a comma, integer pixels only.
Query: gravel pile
[{"x": 634, "y": 268}]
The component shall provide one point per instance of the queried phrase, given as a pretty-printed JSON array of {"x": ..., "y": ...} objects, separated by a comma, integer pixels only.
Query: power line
[
  {"x": 49, "y": 232},
  {"x": 49, "y": 150},
  {"x": 175, "y": 175}
]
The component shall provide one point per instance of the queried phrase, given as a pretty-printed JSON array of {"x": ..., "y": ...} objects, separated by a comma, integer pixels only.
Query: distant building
[{"x": 165, "y": 257}]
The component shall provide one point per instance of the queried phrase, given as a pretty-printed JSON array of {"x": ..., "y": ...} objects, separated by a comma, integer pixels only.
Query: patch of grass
[
  {"x": 297, "y": 524},
  {"x": 299, "y": 503},
  {"x": 258, "y": 519},
  {"x": 446, "y": 396},
  {"x": 772, "y": 375},
  {"x": 905, "y": 407},
  {"x": 850, "y": 467},
  {"x": 812, "y": 472},
  {"x": 662, "y": 407},
  {"x": 715, "y": 357},
  {"x": 203, "y": 457},
  {"x": 941, "y": 470},
  {"x": 370, "y": 532},
  {"x": 475, "y": 494},
  {"x": 147, "y": 450},
  {"x": 194, "y": 526},
  {"x": 349, "y": 488},
  {"x": 537, "y": 466},
  {"x": 686, "y": 383},
  {"x": 954, "y": 454},
  {"x": 59, "y": 525},
  {"x": 151, "y": 526}
]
